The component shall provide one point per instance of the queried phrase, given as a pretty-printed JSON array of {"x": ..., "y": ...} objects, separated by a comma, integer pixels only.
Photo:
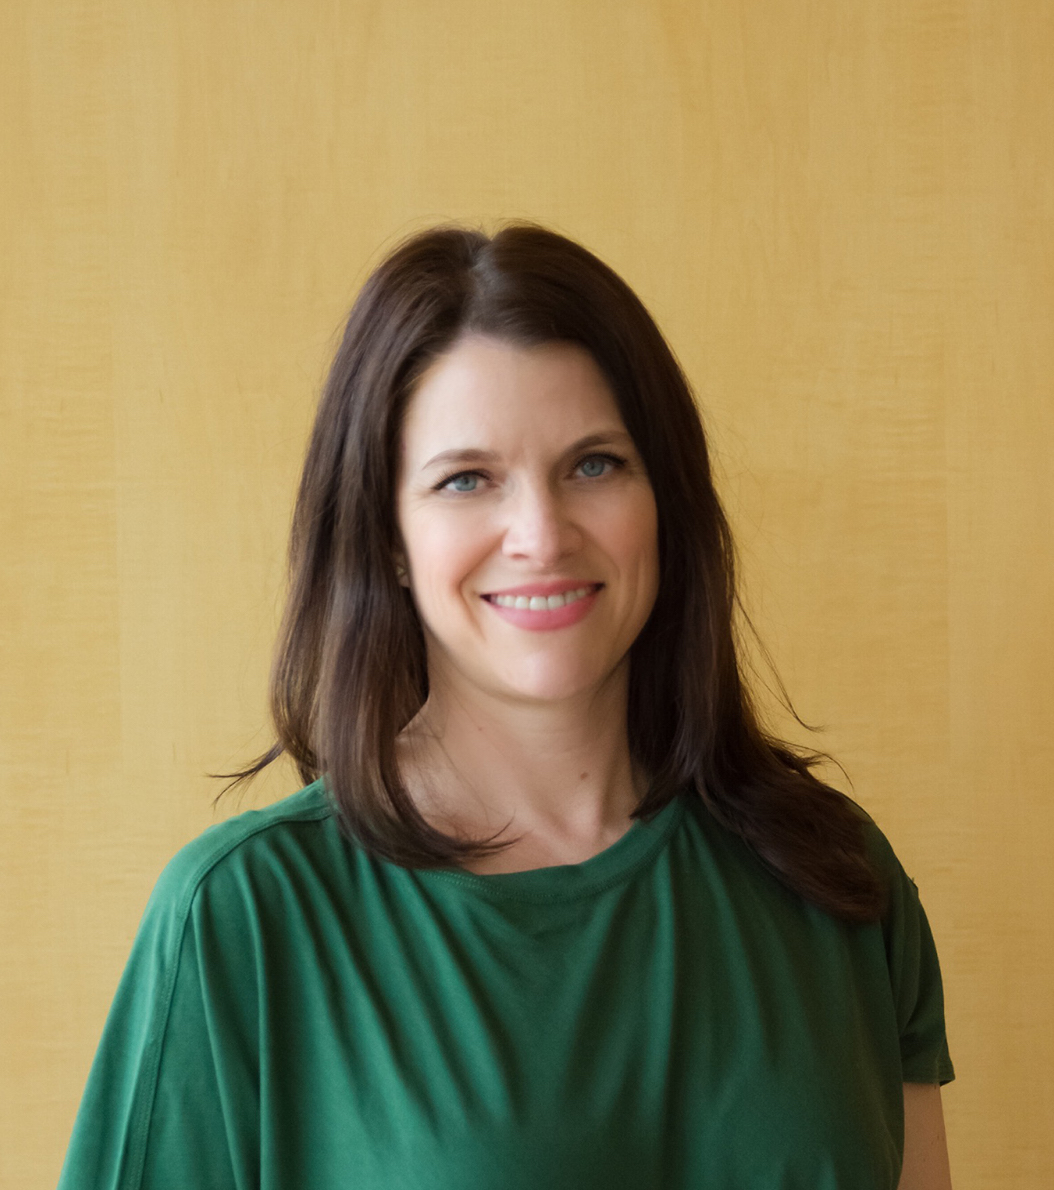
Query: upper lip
[{"x": 559, "y": 587}]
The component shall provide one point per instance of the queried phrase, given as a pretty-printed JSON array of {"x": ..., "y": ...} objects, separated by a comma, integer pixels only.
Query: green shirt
[{"x": 299, "y": 1014}]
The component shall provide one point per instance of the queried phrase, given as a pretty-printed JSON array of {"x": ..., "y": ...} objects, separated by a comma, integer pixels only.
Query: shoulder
[
  {"x": 913, "y": 966},
  {"x": 183, "y": 1021},
  {"x": 242, "y": 848},
  {"x": 879, "y": 849},
  {"x": 885, "y": 861}
]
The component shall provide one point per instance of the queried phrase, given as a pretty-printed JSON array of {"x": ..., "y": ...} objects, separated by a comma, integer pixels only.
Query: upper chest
[{"x": 678, "y": 1030}]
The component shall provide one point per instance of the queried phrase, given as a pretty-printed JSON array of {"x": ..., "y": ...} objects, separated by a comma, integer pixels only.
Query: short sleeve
[
  {"x": 915, "y": 974},
  {"x": 157, "y": 1109}
]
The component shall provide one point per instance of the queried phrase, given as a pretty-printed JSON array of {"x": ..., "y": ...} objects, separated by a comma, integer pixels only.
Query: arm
[
  {"x": 173, "y": 1058},
  {"x": 925, "y": 1149}
]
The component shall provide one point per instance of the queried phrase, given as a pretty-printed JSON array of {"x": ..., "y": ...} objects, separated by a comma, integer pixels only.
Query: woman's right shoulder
[
  {"x": 242, "y": 848},
  {"x": 187, "y": 999}
]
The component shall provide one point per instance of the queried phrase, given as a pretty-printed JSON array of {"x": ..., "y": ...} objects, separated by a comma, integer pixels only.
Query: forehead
[{"x": 486, "y": 387}]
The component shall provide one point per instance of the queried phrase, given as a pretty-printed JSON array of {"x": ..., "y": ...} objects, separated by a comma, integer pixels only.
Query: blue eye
[
  {"x": 596, "y": 461},
  {"x": 461, "y": 475},
  {"x": 617, "y": 464}
]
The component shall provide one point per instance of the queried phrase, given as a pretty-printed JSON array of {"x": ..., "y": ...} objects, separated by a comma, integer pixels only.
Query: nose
[{"x": 539, "y": 527}]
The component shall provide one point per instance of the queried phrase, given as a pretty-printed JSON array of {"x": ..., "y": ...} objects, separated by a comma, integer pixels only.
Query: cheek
[
  {"x": 444, "y": 551},
  {"x": 631, "y": 532}
]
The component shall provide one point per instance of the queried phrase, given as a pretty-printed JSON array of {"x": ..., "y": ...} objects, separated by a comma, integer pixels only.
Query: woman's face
[{"x": 517, "y": 478}]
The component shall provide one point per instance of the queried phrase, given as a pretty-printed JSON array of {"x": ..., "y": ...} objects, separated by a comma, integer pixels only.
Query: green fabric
[{"x": 298, "y": 1014}]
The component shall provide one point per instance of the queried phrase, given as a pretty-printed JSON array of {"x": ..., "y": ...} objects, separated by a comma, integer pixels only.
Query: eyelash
[{"x": 617, "y": 465}]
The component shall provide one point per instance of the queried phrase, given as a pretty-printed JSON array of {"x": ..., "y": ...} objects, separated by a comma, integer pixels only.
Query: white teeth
[{"x": 539, "y": 603}]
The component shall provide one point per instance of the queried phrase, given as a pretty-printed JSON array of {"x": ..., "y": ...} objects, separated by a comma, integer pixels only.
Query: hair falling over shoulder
[{"x": 349, "y": 667}]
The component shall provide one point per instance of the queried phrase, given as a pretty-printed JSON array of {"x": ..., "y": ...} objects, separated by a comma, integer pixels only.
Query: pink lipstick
[{"x": 540, "y": 619}]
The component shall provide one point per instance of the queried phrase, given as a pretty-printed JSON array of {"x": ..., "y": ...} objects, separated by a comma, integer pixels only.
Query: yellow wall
[{"x": 840, "y": 212}]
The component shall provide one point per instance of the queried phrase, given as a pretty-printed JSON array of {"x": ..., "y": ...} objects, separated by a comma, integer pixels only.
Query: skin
[
  {"x": 521, "y": 728},
  {"x": 925, "y": 1147}
]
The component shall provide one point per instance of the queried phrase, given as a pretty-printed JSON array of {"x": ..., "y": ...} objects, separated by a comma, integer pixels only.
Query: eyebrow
[{"x": 474, "y": 455}]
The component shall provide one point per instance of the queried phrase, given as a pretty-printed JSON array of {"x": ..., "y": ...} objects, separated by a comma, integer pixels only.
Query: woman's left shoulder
[
  {"x": 881, "y": 853},
  {"x": 913, "y": 965}
]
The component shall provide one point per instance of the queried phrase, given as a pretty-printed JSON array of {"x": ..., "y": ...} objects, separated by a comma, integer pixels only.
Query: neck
[{"x": 560, "y": 772}]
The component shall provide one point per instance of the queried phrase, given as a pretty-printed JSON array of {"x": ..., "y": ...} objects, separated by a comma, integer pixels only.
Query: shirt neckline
[{"x": 564, "y": 882}]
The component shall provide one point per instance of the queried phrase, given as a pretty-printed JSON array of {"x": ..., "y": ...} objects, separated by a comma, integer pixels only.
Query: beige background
[{"x": 841, "y": 214}]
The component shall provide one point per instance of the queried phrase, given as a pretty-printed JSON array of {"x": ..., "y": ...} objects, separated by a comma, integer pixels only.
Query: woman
[{"x": 553, "y": 910}]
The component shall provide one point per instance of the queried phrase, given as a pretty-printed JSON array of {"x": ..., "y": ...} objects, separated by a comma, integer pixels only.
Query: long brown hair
[{"x": 350, "y": 671}]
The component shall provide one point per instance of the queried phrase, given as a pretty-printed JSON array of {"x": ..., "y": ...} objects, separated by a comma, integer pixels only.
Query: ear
[{"x": 400, "y": 570}]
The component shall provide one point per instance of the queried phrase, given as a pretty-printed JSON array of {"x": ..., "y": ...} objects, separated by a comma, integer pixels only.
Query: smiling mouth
[{"x": 541, "y": 603}]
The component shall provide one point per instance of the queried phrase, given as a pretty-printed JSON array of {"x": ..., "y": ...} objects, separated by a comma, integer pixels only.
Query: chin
[{"x": 551, "y": 686}]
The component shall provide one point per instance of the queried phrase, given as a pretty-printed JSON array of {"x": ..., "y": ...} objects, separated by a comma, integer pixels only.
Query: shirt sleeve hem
[{"x": 929, "y": 1070}]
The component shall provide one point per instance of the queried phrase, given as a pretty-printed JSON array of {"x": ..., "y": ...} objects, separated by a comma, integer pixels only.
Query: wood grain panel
[{"x": 841, "y": 215}]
